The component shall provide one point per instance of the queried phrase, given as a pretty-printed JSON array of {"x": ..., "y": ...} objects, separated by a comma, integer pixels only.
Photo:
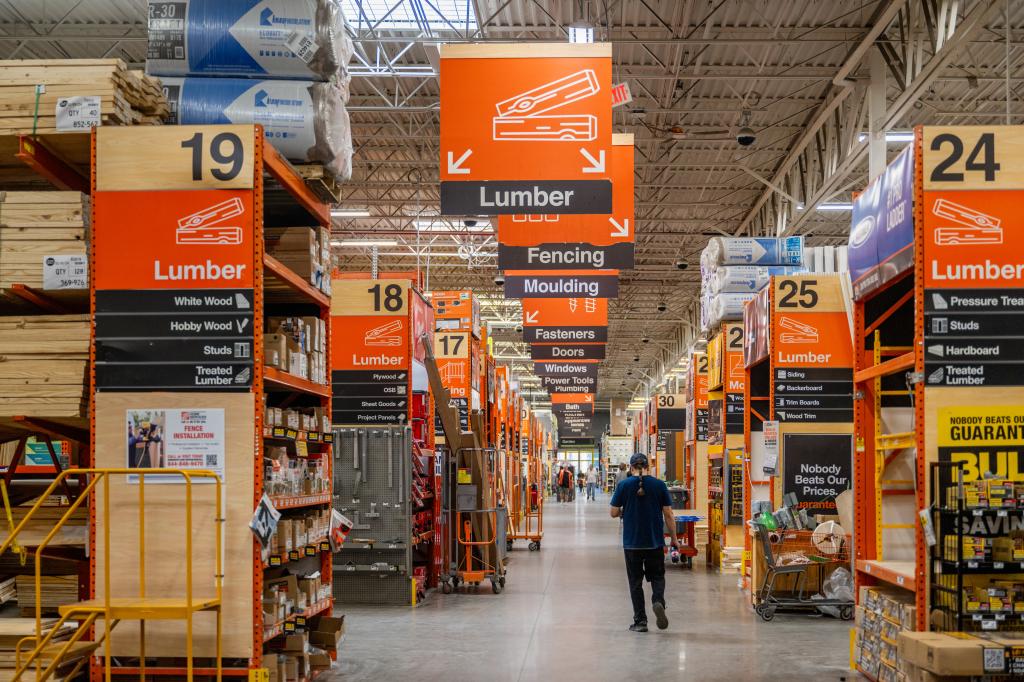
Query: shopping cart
[
  {"x": 795, "y": 553},
  {"x": 687, "y": 549}
]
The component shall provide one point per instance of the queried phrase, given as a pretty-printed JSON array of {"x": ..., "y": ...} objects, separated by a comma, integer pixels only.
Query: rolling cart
[
  {"x": 687, "y": 546},
  {"x": 796, "y": 552}
]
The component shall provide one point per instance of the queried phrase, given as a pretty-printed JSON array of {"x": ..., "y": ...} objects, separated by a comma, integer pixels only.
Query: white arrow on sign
[
  {"x": 531, "y": 317},
  {"x": 621, "y": 230},
  {"x": 758, "y": 252},
  {"x": 455, "y": 167},
  {"x": 596, "y": 165}
]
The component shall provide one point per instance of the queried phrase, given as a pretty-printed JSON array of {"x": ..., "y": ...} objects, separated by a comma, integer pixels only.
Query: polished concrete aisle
[{"x": 563, "y": 616}]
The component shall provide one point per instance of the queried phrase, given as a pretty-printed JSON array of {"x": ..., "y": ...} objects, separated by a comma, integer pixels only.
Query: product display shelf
[
  {"x": 57, "y": 160},
  {"x": 279, "y": 198},
  {"x": 757, "y": 407},
  {"x": 884, "y": 497}
]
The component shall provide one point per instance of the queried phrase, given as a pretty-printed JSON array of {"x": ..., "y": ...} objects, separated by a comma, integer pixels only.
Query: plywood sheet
[{"x": 165, "y": 521}]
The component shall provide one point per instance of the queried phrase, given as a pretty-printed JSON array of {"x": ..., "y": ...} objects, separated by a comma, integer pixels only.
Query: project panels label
[{"x": 365, "y": 397}]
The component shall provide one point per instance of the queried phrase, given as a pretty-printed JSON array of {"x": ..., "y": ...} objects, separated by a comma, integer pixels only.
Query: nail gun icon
[
  {"x": 202, "y": 226},
  {"x": 974, "y": 226},
  {"x": 519, "y": 116},
  {"x": 797, "y": 332},
  {"x": 384, "y": 335}
]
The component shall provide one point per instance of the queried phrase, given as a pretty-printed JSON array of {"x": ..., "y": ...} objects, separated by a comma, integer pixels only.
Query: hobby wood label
[
  {"x": 525, "y": 129},
  {"x": 973, "y": 256}
]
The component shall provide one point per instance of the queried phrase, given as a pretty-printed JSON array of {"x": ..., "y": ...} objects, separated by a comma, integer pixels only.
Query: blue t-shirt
[{"x": 643, "y": 526}]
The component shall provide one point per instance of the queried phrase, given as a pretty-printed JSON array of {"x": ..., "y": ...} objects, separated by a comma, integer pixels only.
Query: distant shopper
[
  {"x": 592, "y": 480},
  {"x": 644, "y": 504},
  {"x": 581, "y": 481},
  {"x": 621, "y": 474},
  {"x": 564, "y": 484}
]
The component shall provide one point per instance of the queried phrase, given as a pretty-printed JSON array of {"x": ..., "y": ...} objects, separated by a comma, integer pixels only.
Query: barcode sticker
[
  {"x": 66, "y": 272},
  {"x": 78, "y": 113},
  {"x": 303, "y": 45},
  {"x": 994, "y": 660}
]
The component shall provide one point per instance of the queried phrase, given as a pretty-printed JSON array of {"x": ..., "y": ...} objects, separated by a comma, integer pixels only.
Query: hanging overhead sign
[
  {"x": 565, "y": 320},
  {"x": 529, "y": 284},
  {"x": 556, "y": 351},
  {"x": 565, "y": 256},
  {"x": 565, "y": 369},
  {"x": 973, "y": 262},
  {"x": 616, "y": 228},
  {"x": 525, "y": 129},
  {"x": 569, "y": 384},
  {"x": 671, "y": 413}
]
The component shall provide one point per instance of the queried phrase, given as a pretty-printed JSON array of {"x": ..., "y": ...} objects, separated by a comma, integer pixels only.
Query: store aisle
[{"x": 564, "y": 614}]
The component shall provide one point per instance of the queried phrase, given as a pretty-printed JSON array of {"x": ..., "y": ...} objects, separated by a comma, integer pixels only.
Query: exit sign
[{"x": 621, "y": 95}]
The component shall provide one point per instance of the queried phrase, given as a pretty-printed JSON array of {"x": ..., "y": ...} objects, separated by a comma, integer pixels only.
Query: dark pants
[{"x": 649, "y": 563}]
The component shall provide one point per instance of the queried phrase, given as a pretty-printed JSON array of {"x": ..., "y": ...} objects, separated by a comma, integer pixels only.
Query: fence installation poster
[{"x": 175, "y": 439}]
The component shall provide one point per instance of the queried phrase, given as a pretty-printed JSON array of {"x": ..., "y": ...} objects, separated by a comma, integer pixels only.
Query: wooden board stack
[
  {"x": 126, "y": 97},
  {"x": 13, "y": 630},
  {"x": 56, "y": 590},
  {"x": 72, "y": 534},
  {"x": 35, "y": 226},
  {"x": 44, "y": 365}
]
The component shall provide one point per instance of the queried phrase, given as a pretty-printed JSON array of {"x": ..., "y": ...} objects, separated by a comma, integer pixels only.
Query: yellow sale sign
[{"x": 984, "y": 439}]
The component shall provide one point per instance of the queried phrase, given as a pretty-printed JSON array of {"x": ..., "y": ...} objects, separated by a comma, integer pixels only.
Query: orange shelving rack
[{"x": 183, "y": 288}]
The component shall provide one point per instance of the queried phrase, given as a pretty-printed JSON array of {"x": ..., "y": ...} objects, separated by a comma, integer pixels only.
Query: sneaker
[
  {"x": 638, "y": 627},
  {"x": 659, "y": 613}
]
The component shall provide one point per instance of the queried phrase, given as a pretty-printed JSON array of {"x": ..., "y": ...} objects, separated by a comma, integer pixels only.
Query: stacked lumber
[
  {"x": 8, "y": 590},
  {"x": 35, "y": 226},
  {"x": 126, "y": 97},
  {"x": 44, "y": 365},
  {"x": 55, "y": 590},
  {"x": 73, "y": 533},
  {"x": 13, "y": 630}
]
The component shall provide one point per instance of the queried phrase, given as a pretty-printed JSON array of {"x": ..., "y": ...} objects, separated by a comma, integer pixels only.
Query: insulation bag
[
  {"x": 248, "y": 38},
  {"x": 728, "y": 307},
  {"x": 305, "y": 121},
  {"x": 754, "y": 251},
  {"x": 746, "y": 278}
]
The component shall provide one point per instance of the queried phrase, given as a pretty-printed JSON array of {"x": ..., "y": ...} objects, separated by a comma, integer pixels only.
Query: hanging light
[{"x": 581, "y": 32}]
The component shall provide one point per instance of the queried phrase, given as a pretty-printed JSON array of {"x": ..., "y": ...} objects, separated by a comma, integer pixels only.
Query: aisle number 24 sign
[{"x": 973, "y": 157}]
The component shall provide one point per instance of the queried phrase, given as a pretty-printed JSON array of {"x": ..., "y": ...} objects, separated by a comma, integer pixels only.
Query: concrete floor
[{"x": 564, "y": 614}]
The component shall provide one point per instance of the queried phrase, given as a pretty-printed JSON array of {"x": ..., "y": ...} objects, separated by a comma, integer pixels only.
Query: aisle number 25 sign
[
  {"x": 973, "y": 157},
  {"x": 175, "y": 157}
]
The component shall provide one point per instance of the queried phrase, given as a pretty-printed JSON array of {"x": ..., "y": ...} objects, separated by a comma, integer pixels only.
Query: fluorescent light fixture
[
  {"x": 581, "y": 32},
  {"x": 836, "y": 206},
  {"x": 349, "y": 213},
  {"x": 365, "y": 242},
  {"x": 892, "y": 136}
]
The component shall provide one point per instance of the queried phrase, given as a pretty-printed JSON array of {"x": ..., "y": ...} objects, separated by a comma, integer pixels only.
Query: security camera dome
[
  {"x": 746, "y": 136},
  {"x": 681, "y": 264}
]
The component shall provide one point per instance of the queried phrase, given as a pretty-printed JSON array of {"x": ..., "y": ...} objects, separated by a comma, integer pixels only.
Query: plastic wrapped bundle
[
  {"x": 753, "y": 251},
  {"x": 728, "y": 307},
  {"x": 305, "y": 121},
  {"x": 746, "y": 278},
  {"x": 248, "y": 38}
]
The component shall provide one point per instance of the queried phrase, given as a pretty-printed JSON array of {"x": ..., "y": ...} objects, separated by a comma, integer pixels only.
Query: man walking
[
  {"x": 564, "y": 483},
  {"x": 592, "y": 479},
  {"x": 644, "y": 504}
]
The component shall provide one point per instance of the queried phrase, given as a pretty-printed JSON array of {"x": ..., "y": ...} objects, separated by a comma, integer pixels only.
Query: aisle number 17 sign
[{"x": 525, "y": 129}]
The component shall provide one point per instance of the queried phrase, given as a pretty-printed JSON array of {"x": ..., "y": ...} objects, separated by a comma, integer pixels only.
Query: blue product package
[
  {"x": 304, "y": 120},
  {"x": 247, "y": 38}
]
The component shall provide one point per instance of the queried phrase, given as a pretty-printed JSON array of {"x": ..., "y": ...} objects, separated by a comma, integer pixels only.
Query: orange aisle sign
[
  {"x": 519, "y": 230},
  {"x": 525, "y": 129},
  {"x": 565, "y": 320},
  {"x": 812, "y": 353}
]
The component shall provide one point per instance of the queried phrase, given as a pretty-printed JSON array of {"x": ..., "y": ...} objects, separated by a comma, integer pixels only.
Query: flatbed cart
[
  {"x": 471, "y": 566},
  {"x": 795, "y": 552},
  {"x": 687, "y": 547},
  {"x": 526, "y": 516}
]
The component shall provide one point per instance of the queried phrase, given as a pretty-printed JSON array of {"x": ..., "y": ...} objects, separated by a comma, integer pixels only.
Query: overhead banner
[
  {"x": 525, "y": 129},
  {"x": 558, "y": 351},
  {"x": 973, "y": 256},
  {"x": 563, "y": 284},
  {"x": 881, "y": 242}
]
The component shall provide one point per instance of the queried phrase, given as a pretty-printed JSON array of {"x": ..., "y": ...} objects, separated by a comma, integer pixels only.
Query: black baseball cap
[{"x": 638, "y": 460}]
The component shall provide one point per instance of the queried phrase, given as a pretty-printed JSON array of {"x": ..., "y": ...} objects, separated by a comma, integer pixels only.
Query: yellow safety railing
[{"x": 89, "y": 612}]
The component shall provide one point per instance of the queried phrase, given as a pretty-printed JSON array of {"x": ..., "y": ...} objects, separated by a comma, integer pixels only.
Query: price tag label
[
  {"x": 66, "y": 272},
  {"x": 78, "y": 113},
  {"x": 311, "y": 551},
  {"x": 325, "y": 546},
  {"x": 997, "y": 565},
  {"x": 289, "y": 626},
  {"x": 300, "y": 621},
  {"x": 989, "y": 625},
  {"x": 293, "y": 555},
  {"x": 1001, "y": 513},
  {"x": 275, "y": 561},
  {"x": 977, "y": 512},
  {"x": 972, "y": 564},
  {"x": 899, "y": 580}
]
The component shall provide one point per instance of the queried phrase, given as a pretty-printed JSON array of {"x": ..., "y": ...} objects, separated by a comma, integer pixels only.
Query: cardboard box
[
  {"x": 327, "y": 632},
  {"x": 319, "y": 661},
  {"x": 291, "y": 668},
  {"x": 295, "y": 642},
  {"x": 275, "y": 349},
  {"x": 943, "y": 654},
  {"x": 1012, "y": 644}
]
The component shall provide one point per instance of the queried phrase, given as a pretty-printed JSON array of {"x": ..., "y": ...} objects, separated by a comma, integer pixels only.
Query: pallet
[{"x": 326, "y": 188}]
